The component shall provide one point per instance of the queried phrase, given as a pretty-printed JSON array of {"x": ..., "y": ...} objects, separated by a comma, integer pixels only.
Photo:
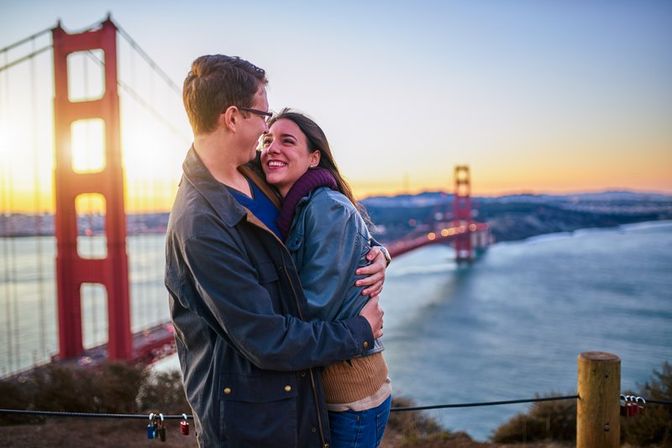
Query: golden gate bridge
[{"x": 106, "y": 267}]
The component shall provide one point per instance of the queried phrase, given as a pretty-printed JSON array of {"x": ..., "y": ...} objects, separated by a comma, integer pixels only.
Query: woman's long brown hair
[{"x": 317, "y": 140}]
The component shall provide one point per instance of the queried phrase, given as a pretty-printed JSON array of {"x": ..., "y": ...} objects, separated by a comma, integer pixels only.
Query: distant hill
[
  {"x": 511, "y": 217},
  {"x": 515, "y": 217}
]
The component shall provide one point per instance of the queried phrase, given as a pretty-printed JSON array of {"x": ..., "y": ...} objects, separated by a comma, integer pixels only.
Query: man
[{"x": 235, "y": 296}]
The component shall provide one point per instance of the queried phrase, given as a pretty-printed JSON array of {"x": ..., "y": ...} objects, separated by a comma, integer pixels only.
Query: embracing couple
[{"x": 273, "y": 276}]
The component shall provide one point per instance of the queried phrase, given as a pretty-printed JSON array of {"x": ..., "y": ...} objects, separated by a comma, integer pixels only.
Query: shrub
[
  {"x": 556, "y": 420},
  {"x": 112, "y": 387},
  {"x": 415, "y": 429},
  {"x": 164, "y": 391},
  {"x": 545, "y": 420},
  {"x": 654, "y": 425},
  {"x": 117, "y": 385},
  {"x": 14, "y": 395},
  {"x": 59, "y": 387}
]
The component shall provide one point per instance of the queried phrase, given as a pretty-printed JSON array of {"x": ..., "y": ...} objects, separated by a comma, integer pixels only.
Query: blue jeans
[{"x": 359, "y": 429}]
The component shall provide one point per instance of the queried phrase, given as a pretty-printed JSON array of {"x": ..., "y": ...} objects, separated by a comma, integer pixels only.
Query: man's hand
[
  {"x": 375, "y": 273},
  {"x": 373, "y": 313}
]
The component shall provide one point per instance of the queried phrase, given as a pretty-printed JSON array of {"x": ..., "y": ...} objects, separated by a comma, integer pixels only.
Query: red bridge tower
[
  {"x": 72, "y": 270},
  {"x": 462, "y": 214}
]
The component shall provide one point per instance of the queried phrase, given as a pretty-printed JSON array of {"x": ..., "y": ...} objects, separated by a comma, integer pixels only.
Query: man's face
[{"x": 254, "y": 125}]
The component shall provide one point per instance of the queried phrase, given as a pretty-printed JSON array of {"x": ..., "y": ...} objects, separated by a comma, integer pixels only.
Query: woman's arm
[{"x": 335, "y": 245}]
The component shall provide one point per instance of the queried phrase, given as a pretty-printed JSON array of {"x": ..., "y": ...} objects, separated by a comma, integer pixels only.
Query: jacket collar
[
  {"x": 218, "y": 196},
  {"x": 213, "y": 191},
  {"x": 255, "y": 174}
]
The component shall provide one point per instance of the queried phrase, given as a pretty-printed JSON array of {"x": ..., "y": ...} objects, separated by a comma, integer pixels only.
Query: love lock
[
  {"x": 623, "y": 402},
  {"x": 151, "y": 427},
  {"x": 640, "y": 403},
  {"x": 162, "y": 429},
  {"x": 184, "y": 425},
  {"x": 631, "y": 405}
]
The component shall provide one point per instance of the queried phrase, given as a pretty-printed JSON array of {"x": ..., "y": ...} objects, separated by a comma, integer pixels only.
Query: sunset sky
[{"x": 536, "y": 96}]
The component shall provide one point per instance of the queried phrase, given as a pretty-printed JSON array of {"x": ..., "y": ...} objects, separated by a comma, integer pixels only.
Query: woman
[{"x": 328, "y": 239}]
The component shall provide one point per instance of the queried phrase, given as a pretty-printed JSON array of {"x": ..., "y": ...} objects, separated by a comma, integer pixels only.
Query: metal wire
[
  {"x": 486, "y": 403},
  {"x": 663, "y": 402},
  {"x": 89, "y": 414},
  {"x": 189, "y": 416}
]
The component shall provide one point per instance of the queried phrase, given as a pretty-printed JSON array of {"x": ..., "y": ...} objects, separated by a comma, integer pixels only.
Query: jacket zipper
[{"x": 312, "y": 377}]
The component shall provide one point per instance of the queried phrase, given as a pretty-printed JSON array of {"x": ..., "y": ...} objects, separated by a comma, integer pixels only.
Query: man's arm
[
  {"x": 375, "y": 272},
  {"x": 241, "y": 309}
]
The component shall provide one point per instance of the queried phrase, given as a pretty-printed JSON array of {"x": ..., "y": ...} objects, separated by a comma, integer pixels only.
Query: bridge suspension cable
[
  {"x": 25, "y": 40},
  {"x": 149, "y": 60},
  {"x": 25, "y": 58},
  {"x": 138, "y": 98},
  {"x": 37, "y": 193},
  {"x": 8, "y": 245}
]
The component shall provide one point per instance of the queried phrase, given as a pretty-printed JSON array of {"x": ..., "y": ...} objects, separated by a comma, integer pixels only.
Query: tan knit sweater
[{"x": 355, "y": 379}]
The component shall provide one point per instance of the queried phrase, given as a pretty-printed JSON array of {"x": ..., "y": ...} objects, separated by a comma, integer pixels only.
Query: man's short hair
[{"x": 216, "y": 82}]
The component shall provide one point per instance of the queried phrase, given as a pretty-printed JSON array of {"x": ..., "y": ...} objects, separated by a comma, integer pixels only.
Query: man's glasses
[{"x": 261, "y": 113}]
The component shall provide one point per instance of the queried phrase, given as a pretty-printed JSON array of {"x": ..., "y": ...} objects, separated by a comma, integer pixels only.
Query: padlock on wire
[
  {"x": 631, "y": 405},
  {"x": 162, "y": 428},
  {"x": 184, "y": 425},
  {"x": 640, "y": 402},
  {"x": 151, "y": 427}
]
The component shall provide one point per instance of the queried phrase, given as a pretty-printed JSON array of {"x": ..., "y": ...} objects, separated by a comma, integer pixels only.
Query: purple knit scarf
[{"x": 311, "y": 179}]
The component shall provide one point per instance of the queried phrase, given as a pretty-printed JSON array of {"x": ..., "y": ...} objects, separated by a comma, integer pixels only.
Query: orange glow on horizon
[{"x": 157, "y": 195}]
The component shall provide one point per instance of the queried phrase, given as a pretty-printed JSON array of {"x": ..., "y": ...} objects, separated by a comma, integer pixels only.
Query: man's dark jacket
[{"x": 236, "y": 304}]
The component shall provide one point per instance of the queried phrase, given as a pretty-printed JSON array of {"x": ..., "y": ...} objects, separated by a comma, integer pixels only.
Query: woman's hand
[{"x": 374, "y": 272}]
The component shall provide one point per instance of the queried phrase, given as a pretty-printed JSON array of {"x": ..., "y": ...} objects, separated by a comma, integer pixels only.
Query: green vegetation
[
  {"x": 556, "y": 420},
  {"x": 415, "y": 429},
  {"x": 654, "y": 426},
  {"x": 122, "y": 388},
  {"x": 545, "y": 421},
  {"x": 113, "y": 387}
]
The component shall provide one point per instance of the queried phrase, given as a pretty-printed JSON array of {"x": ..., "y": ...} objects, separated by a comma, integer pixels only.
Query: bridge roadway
[
  {"x": 156, "y": 343},
  {"x": 441, "y": 235}
]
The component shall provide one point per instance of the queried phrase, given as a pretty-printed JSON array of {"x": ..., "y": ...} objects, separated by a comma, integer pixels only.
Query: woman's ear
[{"x": 315, "y": 158}]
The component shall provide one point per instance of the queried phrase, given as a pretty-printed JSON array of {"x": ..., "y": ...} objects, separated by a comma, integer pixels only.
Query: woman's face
[{"x": 285, "y": 156}]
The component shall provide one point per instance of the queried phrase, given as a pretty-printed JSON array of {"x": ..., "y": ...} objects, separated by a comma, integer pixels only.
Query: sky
[{"x": 536, "y": 96}]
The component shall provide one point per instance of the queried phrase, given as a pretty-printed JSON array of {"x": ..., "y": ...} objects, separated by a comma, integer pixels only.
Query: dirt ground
[{"x": 81, "y": 433}]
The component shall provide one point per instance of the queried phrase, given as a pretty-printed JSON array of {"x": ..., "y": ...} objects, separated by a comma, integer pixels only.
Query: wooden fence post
[{"x": 598, "y": 422}]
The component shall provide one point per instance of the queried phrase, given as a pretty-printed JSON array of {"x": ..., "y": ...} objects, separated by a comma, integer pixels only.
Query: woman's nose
[{"x": 272, "y": 148}]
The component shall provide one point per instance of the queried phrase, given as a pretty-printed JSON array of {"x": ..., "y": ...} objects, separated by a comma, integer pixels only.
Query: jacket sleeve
[
  {"x": 335, "y": 244},
  {"x": 240, "y": 308}
]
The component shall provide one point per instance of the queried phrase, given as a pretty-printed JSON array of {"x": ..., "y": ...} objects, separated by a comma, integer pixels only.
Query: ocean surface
[{"x": 509, "y": 326}]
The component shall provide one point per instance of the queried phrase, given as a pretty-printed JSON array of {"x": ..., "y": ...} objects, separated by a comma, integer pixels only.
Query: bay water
[{"x": 508, "y": 326}]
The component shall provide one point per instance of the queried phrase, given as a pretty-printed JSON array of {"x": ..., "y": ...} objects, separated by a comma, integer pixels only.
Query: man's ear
[{"x": 229, "y": 118}]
